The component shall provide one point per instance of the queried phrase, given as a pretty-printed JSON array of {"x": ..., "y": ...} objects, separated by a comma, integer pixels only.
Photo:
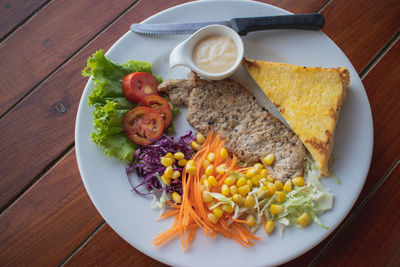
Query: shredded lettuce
[
  {"x": 312, "y": 198},
  {"x": 110, "y": 104},
  {"x": 221, "y": 200}
]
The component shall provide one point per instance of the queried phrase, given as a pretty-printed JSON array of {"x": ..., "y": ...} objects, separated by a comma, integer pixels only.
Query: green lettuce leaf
[{"x": 110, "y": 104}]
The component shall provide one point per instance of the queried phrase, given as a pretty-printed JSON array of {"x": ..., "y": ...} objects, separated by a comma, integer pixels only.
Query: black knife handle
[{"x": 313, "y": 21}]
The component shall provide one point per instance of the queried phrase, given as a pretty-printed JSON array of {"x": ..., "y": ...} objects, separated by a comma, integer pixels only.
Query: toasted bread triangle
[{"x": 308, "y": 98}]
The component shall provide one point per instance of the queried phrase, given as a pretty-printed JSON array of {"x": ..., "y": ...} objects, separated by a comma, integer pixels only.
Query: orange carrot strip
[{"x": 168, "y": 214}]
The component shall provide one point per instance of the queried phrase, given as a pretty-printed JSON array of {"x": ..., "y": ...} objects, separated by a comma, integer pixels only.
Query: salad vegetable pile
[
  {"x": 118, "y": 90},
  {"x": 221, "y": 197}
]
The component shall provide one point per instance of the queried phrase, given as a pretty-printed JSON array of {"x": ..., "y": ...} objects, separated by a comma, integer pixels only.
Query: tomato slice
[
  {"x": 142, "y": 124},
  {"x": 138, "y": 85},
  {"x": 159, "y": 104}
]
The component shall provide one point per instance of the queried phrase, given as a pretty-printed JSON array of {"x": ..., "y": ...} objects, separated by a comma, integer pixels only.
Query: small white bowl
[{"x": 182, "y": 54}]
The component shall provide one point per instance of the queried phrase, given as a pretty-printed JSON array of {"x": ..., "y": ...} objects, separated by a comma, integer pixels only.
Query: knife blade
[{"x": 242, "y": 26}]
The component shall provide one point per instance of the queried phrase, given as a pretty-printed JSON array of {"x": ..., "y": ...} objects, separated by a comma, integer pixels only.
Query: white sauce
[{"x": 215, "y": 54}]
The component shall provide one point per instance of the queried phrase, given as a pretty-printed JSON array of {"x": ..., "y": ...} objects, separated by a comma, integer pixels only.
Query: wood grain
[
  {"x": 12, "y": 13},
  {"x": 374, "y": 236},
  {"x": 50, "y": 220},
  {"x": 54, "y": 34},
  {"x": 310, "y": 6},
  {"x": 361, "y": 28},
  {"x": 107, "y": 248},
  {"x": 42, "y": 125}
]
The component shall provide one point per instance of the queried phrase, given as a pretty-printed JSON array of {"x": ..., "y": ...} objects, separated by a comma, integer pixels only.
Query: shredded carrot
[
  {"x": 168, "y": 214},
  {"x": 192, "y": 213}
]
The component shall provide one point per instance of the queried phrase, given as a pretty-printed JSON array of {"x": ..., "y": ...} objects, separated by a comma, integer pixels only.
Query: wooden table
[{"x": 47, "y": 217}]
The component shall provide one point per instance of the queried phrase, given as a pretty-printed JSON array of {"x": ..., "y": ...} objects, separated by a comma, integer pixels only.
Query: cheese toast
[{"x": 308, "y": 98}]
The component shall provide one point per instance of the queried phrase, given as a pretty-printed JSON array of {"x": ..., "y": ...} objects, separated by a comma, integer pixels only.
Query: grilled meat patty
[{"x": 250, "y": 131}]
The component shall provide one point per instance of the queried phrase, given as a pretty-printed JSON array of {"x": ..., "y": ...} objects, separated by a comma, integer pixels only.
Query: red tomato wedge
[
  {"x": 159, "y": 104},
  {"x": 142, "y": 124},
  {"x": 138, "y": 85}
]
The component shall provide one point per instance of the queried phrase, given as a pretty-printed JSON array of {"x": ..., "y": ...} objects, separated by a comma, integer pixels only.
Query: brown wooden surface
[
  {"x": 46, "y": 216},
  {"x": 13, "y": 14}
]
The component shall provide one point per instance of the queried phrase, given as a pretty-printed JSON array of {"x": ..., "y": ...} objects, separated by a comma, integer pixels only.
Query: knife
[{"x": 242, "y": 26}]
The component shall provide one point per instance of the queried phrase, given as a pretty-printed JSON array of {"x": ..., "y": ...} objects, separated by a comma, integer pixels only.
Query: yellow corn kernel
[
  {"x": 176, "y": 197},
  {"x": 288, "y": 186},
  {"x": 223, "y": 153},
  {"x": 191, "y": 169},
  {"x": 276, "y": 209},
  {"x": 169, "y": 155},
  {"x": 250, "y": 220},
  {"x": 166, "y": 180},
  {"x": 212, "y": 181},
  {"x": 249, "y": 201},
  {"x": 269, "y": 227},
  {"x": 258, "y": 166},
  {"x": 206, "y": 184},
  {"x": 225, "y": 190},
  {"x": 264, "y": 173},
  {"x": 227, "y": 208},
  {"x": 168, "y": 172},
  {"x": 280, "y": 196},
  {"x": 251, "y": 172},
  {"x": 200, "y": 138},
  {"x": 218, "y": 212},
  {"x": 179, "y": 155},
  {"x": 299, "y": 181},
  {"x": 270, "y": 178},
  {"x": 194, "y": 145},
  {"x": 213, "y": 218},
  {"x": 209, "y": 170},
  {"x": 221, "y": 169},
  {"x": 190, "y": 162},
  {"x": 237, "y": 198},
  {"x": 304, "y": 219},
  {"x": 230, "y": 180},
  {"x": 233, "y": 189},
  {"x": 256, "y": 180},
  {"x": 206, "y": 163},
  {"x": 268, "y": 192},
  {"x": 211, "y": 157},
  {"x": 206, "y": 196},
  {"x": 182, "y": 162},
  {"x": 271, "y": 187},
  {"x": 278, "y": 185},
  {"x": 249, "y": 183},
  {"x": 244, "y": 190},
  {"x": 166, "y": 161},
  {"x": 176, "y": 174},
  {"x": 269, "y": 159},
  {"x": 241, "y": 181}
]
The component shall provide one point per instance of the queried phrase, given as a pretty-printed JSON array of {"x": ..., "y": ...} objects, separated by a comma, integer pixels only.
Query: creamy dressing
[{"x": 215, "y": 54}]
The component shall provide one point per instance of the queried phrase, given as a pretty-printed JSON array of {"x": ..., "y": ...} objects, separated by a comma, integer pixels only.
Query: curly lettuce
[{"x": 110, "y": 104}]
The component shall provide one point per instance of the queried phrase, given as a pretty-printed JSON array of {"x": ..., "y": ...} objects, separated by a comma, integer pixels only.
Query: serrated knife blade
[{"x": 242, "y": 26}]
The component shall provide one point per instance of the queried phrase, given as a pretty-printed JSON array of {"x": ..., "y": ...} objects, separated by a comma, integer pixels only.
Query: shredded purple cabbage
[{"x": 146, "y": 163}]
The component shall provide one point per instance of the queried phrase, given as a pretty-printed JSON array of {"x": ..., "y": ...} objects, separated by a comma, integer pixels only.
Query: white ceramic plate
[{"x": 130, "y": 215}]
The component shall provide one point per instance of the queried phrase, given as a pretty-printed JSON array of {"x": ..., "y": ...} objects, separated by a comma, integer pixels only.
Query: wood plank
[
  {"x": 13, "y": 13},
  {"x": 374, "y": 236},
  {"x": 52, "y": 106},
  {"x": 50, "y": 220},
  {"x": 361, "y": 34},
  {"x": 54, "y": 34},
  {"x": 298, "y": 7},
  {"x": 107, "y": 248}
]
